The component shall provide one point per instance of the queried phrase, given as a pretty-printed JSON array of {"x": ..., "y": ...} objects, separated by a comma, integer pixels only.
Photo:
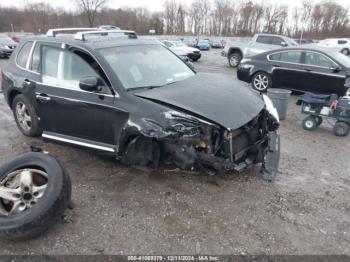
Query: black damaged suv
[{"x": 135, "y": 99}]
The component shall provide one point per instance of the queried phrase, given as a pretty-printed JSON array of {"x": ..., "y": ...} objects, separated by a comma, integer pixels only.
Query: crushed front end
[{"x": 202, "y": 145}]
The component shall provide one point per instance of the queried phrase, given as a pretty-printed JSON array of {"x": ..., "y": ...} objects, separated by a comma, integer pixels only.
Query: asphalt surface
[{"x": 125, "y": 210}]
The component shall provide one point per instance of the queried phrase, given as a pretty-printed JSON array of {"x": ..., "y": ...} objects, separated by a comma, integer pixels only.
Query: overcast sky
[{"x": 153, "y": 5}]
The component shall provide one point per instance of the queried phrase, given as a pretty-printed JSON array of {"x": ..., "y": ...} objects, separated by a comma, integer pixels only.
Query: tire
[
  {"x": 341, "y": 129},
  {"x": 310, "y": 123},
  {"x": 319, "y": 120},
  {"x": 261, "y": 81},
  {"x": 234, "y": 59},
  {"x": 50, "y": 204},
  {"x": 32, "y": 129},
  {"x": 345, "y": 51}
]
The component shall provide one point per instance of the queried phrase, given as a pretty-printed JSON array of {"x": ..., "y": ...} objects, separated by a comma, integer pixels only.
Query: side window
[
  {"x": 263, "y": 39},
  {"x": 316, "y": 59},
  {"x": 275, "y": 57},
  {"x": 291, "y": 57},
  {"x": 342, "y": 42},
  {"x": 35, "y": 63},
  {"x": 64, "y": 68},
  {"x": 23, "y": 54},
  {"x": 277, "y": 41}
]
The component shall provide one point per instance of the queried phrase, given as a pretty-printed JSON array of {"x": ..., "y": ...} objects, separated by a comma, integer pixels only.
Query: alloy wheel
[
  {"x": 23, "y": 116},
  {"x": 234, "y": 61},
  {"x": 261, "y": 82},
  {"x": 20, "y": 190}
]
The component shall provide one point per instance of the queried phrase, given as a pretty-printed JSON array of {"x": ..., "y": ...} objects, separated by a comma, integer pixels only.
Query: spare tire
[{"x": 34, "y": 193}]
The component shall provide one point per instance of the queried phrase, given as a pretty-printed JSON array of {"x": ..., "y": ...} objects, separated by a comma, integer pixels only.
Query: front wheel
[
  {"x": 261, "y": 82},
  {"x": 234, "y": 59}
]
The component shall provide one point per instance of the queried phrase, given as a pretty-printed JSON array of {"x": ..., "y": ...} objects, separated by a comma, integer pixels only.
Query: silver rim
[
  {"x": 23, "y": 116},
  {"x": 345, "y": 52},
  {"x": 309, "y": 124},
  {"x": 261, "y": 82},
  {"x": 234, "y": 60},
  {"x": 21, "y": 190}
]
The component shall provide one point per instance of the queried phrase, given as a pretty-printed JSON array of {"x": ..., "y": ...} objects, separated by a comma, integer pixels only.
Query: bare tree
[{"x": 90, "y": 8}]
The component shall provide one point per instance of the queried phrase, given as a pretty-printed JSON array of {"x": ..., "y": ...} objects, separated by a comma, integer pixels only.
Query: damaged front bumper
[{"x": 265, "y": 151}]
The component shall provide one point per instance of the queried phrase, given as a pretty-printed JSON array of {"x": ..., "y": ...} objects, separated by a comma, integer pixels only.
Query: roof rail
[
  {"x": 55, "y": 31},
  {"x": 81, "y": 35}
]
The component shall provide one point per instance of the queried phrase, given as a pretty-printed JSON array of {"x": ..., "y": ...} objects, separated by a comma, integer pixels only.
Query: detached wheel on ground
[
  {"x": 234, "y": 59},
  {"x": 261, "y": 81},
  {"x": 26, "y": 116},
  {"x": 310, "y": 123},
  {"x": 341, "y": 129},
  {"x": 34, "y": 193}
]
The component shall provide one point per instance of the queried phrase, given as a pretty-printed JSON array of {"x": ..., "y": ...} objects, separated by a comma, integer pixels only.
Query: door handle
[
  {"x": 276, "y": 66},
  {"x": 26, "y": 82},
  {"x": 43, "y": 98},
  {"x": 308, "y": 70}
]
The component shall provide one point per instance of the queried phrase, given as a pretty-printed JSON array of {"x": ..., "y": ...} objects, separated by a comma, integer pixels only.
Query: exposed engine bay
[{"x": 194, "y": 144}]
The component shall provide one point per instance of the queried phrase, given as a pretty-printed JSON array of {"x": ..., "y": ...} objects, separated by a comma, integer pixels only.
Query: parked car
[
  {"x": 190, "y": 42},
  {"x": 134, "y": 99},
  {"x": 108, "y": 27},
  {"x": 304, "y": 41},
  {"x": 203, "y": 45},
  {"x": 7, "y": 46},
  {"x": 318, "y": 70},
  {"x": 17, "y": 36},
  {"x": 179, "y": 47},
  {"x": 216, "y": 44},
  {"x": 339, "y": 44},
  {"x": 236, "y": 51}
]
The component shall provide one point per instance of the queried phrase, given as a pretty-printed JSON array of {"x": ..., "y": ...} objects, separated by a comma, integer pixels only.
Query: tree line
[{"x": 199, "y": 17}]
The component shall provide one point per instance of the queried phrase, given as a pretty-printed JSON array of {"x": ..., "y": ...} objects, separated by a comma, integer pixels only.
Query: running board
[{"x": 78, "y": 141}]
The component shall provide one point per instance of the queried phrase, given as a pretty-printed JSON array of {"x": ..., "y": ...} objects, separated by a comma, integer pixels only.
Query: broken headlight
[{"x": 271, "y": 108}]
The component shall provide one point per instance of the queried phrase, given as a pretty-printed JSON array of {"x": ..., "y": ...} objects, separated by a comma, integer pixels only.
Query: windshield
[{"x": 146, "y": 66}]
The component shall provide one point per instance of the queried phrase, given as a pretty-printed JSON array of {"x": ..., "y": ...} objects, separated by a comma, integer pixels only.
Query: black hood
[{"x": 216, "y": 97}]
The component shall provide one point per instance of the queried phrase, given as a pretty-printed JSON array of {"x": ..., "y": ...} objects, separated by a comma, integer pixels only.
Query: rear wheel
[
  {"x": 341, "y": 129},
  {"x": 26, "y": 116},
  {"x": 234, "y": 59},
  {"x": 345, "y": 51},
  {"x": 261, "y": 81},
  {"x": 310, "y": 123}
]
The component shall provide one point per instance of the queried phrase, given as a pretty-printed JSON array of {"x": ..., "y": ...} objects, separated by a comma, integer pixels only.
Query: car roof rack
[
  {"x": 82, "y": 35},
  {"x": 56, "y": 31}
]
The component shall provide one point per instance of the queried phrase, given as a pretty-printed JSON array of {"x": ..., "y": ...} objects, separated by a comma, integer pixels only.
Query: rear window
[
  {"x": 264, "y": 39},
  {"x": 342, "y": 42},
  {"x": 23, "y": 54}
]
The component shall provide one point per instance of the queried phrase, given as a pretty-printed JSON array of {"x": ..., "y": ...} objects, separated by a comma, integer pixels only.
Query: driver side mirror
[
  {"x": 284, "y": 44},
  {"x": 91, "y": 84}
]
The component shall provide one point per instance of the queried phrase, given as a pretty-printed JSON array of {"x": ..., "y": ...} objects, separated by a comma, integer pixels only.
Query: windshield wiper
[{"x": 150, "y": 86}]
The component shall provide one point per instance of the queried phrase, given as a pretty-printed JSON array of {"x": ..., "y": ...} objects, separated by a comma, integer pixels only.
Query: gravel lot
[{"x": 123, "y": 210}]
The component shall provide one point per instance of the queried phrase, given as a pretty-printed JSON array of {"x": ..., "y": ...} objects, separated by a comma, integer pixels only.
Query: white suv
[{"x": 341, "y": 44}]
